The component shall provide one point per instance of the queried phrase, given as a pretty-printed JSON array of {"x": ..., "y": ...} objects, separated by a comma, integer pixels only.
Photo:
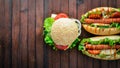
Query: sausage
[
  {"x": 95, "y": 16},
  {"x": 105, "y": 21},
  {"x": 101, "y": 47},
  {"x": 95, "y": 52}
]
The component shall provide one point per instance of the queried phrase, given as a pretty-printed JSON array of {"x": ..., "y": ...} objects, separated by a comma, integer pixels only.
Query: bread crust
[{"x": 101, "y": 31}]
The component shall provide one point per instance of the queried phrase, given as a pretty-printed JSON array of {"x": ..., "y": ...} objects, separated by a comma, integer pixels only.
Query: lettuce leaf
[
  {"x": 48, "y": 23},
  {"x": 47, "y": 28},
  {"x": 83, "y": 17},
  {"x": 82, "y": 43},
  {"x": 116, "y": 25},
  {"x": 48, "y": 40},
  {"x": 74, "y": 43},
  {"x": 118, "y": 52}
]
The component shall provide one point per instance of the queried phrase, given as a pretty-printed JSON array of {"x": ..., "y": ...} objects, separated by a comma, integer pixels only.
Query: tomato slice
[
  {"x": 61, "y": 47},
  {"x": 61, "y": 15}
]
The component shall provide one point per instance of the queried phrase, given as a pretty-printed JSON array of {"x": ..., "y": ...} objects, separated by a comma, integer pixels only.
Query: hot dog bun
[{"x": 110, "y": 53}]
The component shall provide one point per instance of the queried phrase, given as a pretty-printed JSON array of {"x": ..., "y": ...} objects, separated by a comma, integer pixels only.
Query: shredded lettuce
[
  {"x": 48, "y": 23},
  {"x": 116, "y": 25},
  {"x": 98, "y": 12},
  {"x": 81, "y": 45},
  {"x": 83, "y": 17},
  {"x": 118, "y": 9},
  {"x": 48, "y": 40},
  {"x": 111, "y": 42},
  {"x": 118, "y": 52},
  {"x": 102, "y": 55},
  {"x": 74, "y": 43},
  {"x": 47, "y": 28}
]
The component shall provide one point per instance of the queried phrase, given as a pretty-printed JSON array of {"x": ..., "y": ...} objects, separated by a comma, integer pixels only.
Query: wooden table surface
[{"x": 21, "y": 34}]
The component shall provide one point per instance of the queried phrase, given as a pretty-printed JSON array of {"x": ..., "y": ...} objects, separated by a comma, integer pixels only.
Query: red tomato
[
  {"x": 61, "y": 15},
  {"x": 61, "y": 47}
]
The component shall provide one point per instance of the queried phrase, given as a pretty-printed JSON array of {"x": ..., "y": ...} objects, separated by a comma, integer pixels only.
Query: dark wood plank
[
  {"x": 118, "y": 3},
  {"x": 56, "y": 6},
  {"x": 7, "y": 34},
  {"x": 23, "y": 33},
  {"x": 48, "y": 58},
  {"x": 112, "y": 3},
  {"x": 2, "y": 16},
  {"x": 118, "y": 64},
  {"x": 39, "y": 33},
  {"x": 96, "y": 63},
  {"x": 31, "y": 34},
  {"x": 88, "y": 4},
  {"x": 112, "y": 64},
  {"x": 72, "y": 8},
  {"x": 1, "y": 56},
  {"x": 97, "y": 3},
  {"x": 64, "y": 6},
  {"x": 80, "y": 10},
  {"x": 104, "y": 64},
  {"x": 104, "y": 3},
  {"x": 15, "y": 32}
]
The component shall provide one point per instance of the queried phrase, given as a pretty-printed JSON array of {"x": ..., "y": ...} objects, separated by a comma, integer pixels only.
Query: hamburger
[
  {"x": 61, "y": 32},
  {"x": 102, "y": 21},
  {"x": 101, "y": 47}
]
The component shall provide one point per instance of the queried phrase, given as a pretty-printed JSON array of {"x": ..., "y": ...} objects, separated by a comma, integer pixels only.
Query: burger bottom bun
[
  {"x": 109, "y": 57},
  {"x": 101, "y": 31}
]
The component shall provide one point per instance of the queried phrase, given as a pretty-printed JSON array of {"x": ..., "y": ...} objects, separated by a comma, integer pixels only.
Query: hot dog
[
  {"x": 102, "y": 15},
  {"x": 97, "y": 47}
]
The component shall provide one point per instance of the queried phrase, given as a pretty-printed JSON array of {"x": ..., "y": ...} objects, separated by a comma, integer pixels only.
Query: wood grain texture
[
  {"x": 15, "y": 32},
  {"x": 2, "y": 18},
  {"x": 31, "y": 34},
  {"x": 22, "y": 40},
  {"x": 23, "y": 33},
  {"x": 39, "y": 33},
  {"x": 8, "y": 34}
]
